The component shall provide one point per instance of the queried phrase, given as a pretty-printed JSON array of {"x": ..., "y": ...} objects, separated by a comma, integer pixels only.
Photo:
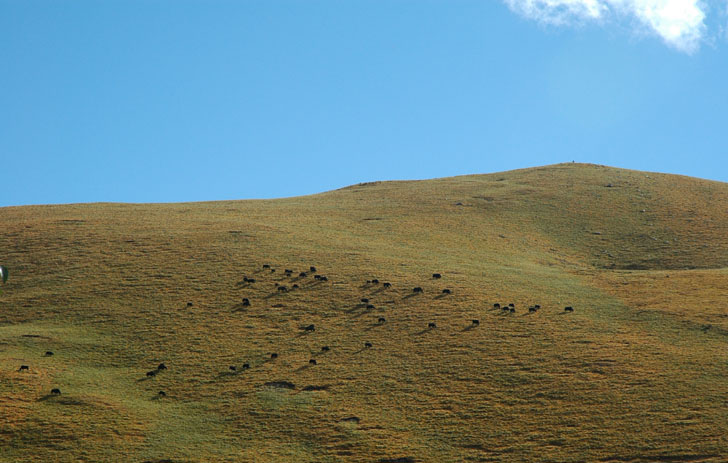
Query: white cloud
[{"x": 680, "y": 23}]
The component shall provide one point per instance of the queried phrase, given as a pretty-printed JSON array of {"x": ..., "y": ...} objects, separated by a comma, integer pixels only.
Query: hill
[{"x": 636, "y": 373}]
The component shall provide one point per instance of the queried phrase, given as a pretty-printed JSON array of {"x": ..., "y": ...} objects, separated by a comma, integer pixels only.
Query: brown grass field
[{"x": 637, "y": 373}]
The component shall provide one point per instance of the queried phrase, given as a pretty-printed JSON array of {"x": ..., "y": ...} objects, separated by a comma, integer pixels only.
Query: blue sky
[{"x": 177, "y": 100}]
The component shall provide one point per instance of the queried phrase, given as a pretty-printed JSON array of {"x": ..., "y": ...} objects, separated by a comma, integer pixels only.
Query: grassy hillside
[{"x": 638, "y": 372}]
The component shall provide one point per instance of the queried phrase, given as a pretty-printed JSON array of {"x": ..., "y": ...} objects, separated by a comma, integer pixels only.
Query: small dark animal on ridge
[
  {"x": 162, "y": 394},
  {"x": 282, "y": 289},
  {"x": 325, "y": 349},
  {"x": 48, "y": 353},
  {"x": 323, "y": 278},
  {"x": 436, "y": 275},
  {"x": 317, "y": 277},
  {"x": 375, "y": 281},
  {"x": 294, "y": 286},
  {"x": 312, "y": 361},
  {"x": 23, "y": 368},
  {"x": 56, "y": 391},
  {"x": 274, "y": 356},
  {"x": 266, "y": 265},
  {"x": 246, "y": 302},
  {"x": 312, "y": 269},
  {"x": 152, "y": 373},
  {"x": 310, "y": 328},
  {"x": 513, "y": 310},
  {"x": 246, "y": 366},
  {"x": 302, "y": 274},
  {"x": 288, "y": 272},
  {"x": 431, "y": 325},
  {"x": 161, "y": 366},
  {"x": 364, "y": 300},
  {"x": 537, "y": 306},
  {"x": 568, "y": 309},
  {"x": 496, "y": 306},
  {"x": 382, "y": 320},
  {"x": 387, "y": 285},
  {"x": 417, "y": 290},
  {"x": 446, "y": 291},
  {"x": 232, "y": 367},
  {"x": 476, "y": 322},
  {"x": 511, "y": 305},
  {"x": 367, "y": 344},
  {"x": 532, "y": 309},
  {"x": 189, "y": 304},
  {"x": 370, "y": 306}
]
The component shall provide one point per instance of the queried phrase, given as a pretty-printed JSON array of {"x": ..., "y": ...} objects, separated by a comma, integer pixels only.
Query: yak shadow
[
  {"x": 303, "y": 368},
  {"x": 276, "y": 293},
  {"x": 441, "y": 296},
  {"x": 356, "y": 307},
  {"x": 468, "y": 328},
  {"x": 409, "y": 296},
  {"x": 362, "y": 313},
  {"x": 426, "y": 330},
  {"x": 46, "y": 397},
  {"x": 372, "y": 326}
]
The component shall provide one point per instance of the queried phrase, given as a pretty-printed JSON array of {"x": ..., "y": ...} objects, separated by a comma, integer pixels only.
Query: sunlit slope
[{"x": 634, "y": 374}]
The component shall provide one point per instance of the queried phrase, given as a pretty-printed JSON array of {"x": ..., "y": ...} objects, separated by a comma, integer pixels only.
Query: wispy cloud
[{"x": 680, "y": 23}]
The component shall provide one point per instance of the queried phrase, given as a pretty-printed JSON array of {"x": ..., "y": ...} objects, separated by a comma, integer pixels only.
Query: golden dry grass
[{"x": 633, "y": 375}]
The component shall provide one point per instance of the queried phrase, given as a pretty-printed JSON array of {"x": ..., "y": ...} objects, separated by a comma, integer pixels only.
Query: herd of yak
[{"x": 506, "y": 308}]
